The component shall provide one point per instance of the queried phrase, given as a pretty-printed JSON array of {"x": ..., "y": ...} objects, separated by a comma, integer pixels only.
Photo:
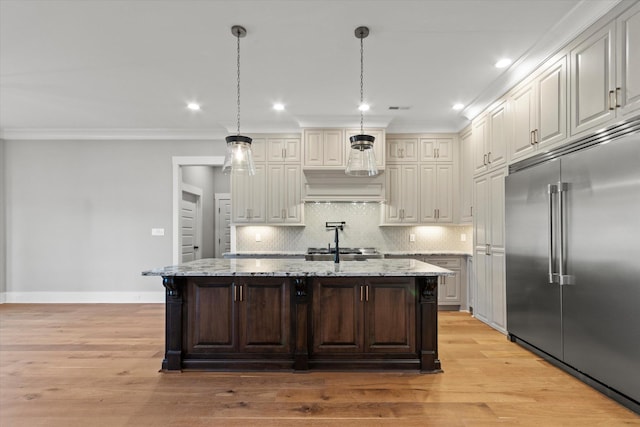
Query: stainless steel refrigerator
[{"x": 573, "y": 259}]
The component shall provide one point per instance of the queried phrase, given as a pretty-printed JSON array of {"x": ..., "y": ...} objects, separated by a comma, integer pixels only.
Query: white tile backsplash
[{"x": 361, "y": 230}]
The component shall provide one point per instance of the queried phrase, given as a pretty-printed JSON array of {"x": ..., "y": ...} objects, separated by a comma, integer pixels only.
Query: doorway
[{"x": 177, "y": 164}]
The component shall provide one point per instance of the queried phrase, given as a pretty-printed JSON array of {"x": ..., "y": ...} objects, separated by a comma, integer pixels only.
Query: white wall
[
  {"x": 2, "y": 224},
  {"x": 79, "y": 216},
  {"x": 211, "y": 180}
]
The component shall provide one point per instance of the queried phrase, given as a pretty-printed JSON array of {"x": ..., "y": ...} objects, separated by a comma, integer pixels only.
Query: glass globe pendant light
[
  {"x": 362, "y": 159},
  {"x": 238, "y": 158}
]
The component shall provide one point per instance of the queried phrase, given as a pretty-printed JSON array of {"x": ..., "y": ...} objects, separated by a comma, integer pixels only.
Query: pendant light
[
  {"x": 362, "y": 159},
  {"x": 238, "y": 158}
]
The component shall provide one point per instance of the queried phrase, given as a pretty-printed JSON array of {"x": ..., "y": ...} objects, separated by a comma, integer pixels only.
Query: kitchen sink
[{"x": 346, "y": 254}]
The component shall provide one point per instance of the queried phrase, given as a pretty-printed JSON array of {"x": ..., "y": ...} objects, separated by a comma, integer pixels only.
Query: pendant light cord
[
  {"x": 361, "y": 86},
  {"x": 238, "y": 37}
]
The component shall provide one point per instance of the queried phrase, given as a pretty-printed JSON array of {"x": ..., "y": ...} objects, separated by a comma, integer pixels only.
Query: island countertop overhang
[{"x": 301, "y": 268}]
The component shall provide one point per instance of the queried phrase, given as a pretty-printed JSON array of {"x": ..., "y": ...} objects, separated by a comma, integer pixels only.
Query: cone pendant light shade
[
  {"x": 362, "y": 159},
  {"x": 238, "y": 158}
]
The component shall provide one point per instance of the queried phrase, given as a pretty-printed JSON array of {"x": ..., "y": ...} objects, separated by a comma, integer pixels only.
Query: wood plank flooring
[{"x": 97, "y": 365}]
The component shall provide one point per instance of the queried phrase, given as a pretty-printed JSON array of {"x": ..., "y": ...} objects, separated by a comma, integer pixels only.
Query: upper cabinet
[
  {"x": 248, "y": 201},
  {"x": 402, "y": 150},
  {"x": 605, "y": 73},
  {"x": 490, "y": 135},
  {"x": 324, "y": 148},
  {"x": 628, "y": 61},
  {"x": 285, "y": 150},
  {"x": 436, "y": 150},
  {"x": 539, "y": 111}
]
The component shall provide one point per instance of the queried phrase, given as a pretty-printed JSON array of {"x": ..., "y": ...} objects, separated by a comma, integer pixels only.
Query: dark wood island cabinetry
[{"x": 300, "y": 315}]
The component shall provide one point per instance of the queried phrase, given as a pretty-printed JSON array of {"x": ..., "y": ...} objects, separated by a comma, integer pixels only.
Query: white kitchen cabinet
[
  {"x": 378, "y": 145},
  {"x": 605, "y": 74},
  {"x": 402, "y": 192},
  {"x": 490, "y": 135},
  {"x": 324, "y": 149},
  {"x": 402, "y": 150},
  {"x": 437, "y": 150},
  {"x": 466, "y": 176},
  {"x": 436, "y": 193},
  {"x": 284, "y": 195},
  {"x": 539, "y": 111},
  {"x": 489, "y": 251},
  {"x": 628, "y": 61},
  {"x": 480, "y": 138},
  {"x": 259, "y": 149},
  {"x": 283, "y": 150},
  {"x": 593, "y": 85},
  {"x": 248, "y": 199}
]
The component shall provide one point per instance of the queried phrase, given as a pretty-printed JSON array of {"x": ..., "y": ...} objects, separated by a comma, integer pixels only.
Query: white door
[
  {"x": 189, "y": 227},
  {"x": 223, "y": 224}
]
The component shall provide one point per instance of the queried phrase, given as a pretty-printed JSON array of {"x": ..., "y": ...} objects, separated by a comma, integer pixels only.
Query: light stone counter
[
  {"x": 301, "y": 268},
  {"x": 427, "y": 253},
  {"x": 264, "y": 254}
]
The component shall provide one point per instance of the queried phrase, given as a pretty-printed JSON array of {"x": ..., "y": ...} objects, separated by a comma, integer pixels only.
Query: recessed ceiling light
[
  {"x": 458, "y": 106},
  {"x": 363, "y": 107},
  {"x": 193, "y": 106},
  {"x": 503, "y": 63},
  {"x": 278, "y": 107}
]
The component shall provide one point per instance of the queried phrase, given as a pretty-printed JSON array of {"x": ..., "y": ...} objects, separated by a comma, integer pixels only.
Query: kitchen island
[{"x": 292, "y": 314}]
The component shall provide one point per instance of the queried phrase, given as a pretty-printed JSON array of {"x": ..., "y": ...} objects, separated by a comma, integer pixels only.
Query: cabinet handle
[
  {"x": 438, "y": 210},
  {"x": 611, "y": 104},
  {"x": 361, "y": 292},
  {"x": 489, "y": 157},
  {"x": 536, "y": 134},
  {"x": 367, "y": 293},
  {"x": 484, "y": 161},
  {"x": 488, "y": 249},
  {"x": 471, "y": 211},
  {"x": 618, "y": 96},
  {"x": 241, "y": 293},
  {"x": 531, "y": 138},
  {"x": 235, "y": 292}
]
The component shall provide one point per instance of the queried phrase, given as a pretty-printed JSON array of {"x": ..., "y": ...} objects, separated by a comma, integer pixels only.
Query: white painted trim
[
  {"x": 83, "y": 297},
  {"x": 112, "y": 134},
  {"x": 177, "y": 163}
]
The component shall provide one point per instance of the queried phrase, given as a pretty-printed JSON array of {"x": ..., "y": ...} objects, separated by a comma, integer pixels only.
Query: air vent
[{"x": 395, "y": 107}]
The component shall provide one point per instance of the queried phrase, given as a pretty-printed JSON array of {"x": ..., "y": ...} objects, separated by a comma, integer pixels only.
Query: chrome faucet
[{"x": 335, "y": 226}]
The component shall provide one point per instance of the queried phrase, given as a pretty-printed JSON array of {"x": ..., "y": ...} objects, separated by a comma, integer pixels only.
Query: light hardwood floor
[{"x": 97, "y": 365}]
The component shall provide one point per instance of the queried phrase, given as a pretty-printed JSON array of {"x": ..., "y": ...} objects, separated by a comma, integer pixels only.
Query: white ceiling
[{"x": 131, "y": 66}]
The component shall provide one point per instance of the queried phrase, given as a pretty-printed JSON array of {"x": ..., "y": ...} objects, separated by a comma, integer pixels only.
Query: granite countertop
[
  {"x": 284, "y": 254},
  {"x": 264, "y": 254},
  {"x": 427, "y": 253},
  {"x": 299, "y": 267}
]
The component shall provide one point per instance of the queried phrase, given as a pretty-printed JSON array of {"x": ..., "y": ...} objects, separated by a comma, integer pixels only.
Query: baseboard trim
[{"x": 82, "y": 297}]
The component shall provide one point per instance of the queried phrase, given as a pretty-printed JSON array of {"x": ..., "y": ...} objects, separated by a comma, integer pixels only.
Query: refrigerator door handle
[
  {"x": 551, "y": 190},
  {"x": 564, "y": 279}
]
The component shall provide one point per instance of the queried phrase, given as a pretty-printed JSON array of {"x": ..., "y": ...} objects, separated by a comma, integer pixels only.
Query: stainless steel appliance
[
  {"x": 573, "y": 259},
  {"x": 346, "y": 254}
]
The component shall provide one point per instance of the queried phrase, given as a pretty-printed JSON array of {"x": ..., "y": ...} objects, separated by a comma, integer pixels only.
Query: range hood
[{"x": 336, "y": 186}]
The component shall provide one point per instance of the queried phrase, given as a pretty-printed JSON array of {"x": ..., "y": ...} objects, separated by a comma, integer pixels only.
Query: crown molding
[
  {"x": 111, "y": 134},
  {"x": 583, "y": 15}
]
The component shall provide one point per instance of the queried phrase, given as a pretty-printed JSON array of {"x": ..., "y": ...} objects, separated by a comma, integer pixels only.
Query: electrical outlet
[
  {"x": 157, "y": 231},
  {"x": 258, "y": 237},
  {"x": 463, "y": 237},
  {"x": 412, "y": 237}
]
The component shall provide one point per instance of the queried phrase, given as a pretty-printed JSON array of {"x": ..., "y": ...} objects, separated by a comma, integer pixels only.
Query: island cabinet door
[
  {"x": 211, "y": 316},
  {"x": 390, "y": 315},
  {"x": 338, "y": 315},
  {"x": 265, "y": 313}
]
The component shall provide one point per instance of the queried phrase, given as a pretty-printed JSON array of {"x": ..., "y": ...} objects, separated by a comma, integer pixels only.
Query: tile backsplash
[{"x": 361, "y": 230}]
